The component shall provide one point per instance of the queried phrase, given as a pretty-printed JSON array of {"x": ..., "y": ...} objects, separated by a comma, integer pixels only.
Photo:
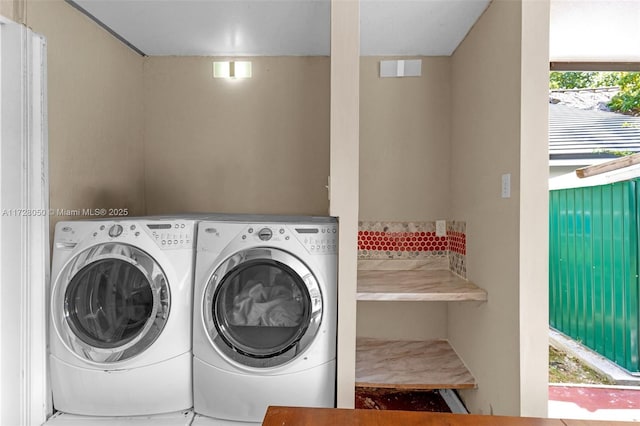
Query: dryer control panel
[
  {"x": 317, "y": 239},
  {"x": 321, "y": 239},
  {"x": 266, "y": 233}
]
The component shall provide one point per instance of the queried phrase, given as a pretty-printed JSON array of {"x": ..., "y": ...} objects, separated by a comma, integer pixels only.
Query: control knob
[
  {"x": 115, "y": 231},
  {"x": 265, "y": 234}
]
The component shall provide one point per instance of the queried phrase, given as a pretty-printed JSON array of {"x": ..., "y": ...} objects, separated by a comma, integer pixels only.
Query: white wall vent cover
[{"x": 401, "y": 68}]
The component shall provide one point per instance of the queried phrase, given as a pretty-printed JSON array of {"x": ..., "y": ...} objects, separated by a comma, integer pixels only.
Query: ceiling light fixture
[{"x": 232, "y": 69}]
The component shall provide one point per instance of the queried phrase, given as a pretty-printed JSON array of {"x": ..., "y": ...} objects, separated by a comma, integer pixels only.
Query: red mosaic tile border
[
  {"x": 402, "y": 241},
  {"x": 412, "y": 241},
  {"x": 457, "y": 242}
]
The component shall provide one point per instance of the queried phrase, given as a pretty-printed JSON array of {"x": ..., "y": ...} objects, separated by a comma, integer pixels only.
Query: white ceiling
[
  {"x": 594, "y": 30},
  {"x": 283, "y": 27}
]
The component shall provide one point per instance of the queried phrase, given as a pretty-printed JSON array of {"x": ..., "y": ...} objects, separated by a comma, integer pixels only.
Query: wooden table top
[{"x": 298, "y": 416}]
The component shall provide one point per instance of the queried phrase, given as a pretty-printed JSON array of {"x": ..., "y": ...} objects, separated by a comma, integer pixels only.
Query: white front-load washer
[
  {"x": 265, "y": 306},
  {"x": 120, "y": 316}
]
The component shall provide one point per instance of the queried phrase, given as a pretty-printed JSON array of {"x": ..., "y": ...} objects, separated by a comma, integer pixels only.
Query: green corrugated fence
[{"x": 593, "y": 268}]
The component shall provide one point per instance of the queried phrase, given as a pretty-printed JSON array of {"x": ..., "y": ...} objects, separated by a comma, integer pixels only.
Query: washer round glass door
[
  {"x": 262, "y": 307},
  {"x": 110, "y": 302}
]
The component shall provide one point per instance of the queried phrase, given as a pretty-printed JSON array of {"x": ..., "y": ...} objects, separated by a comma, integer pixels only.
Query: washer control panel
[
  {"x": 167, "y": 235},
  {"x": 116, "y": 231},
  {"x": 176, "y": 235}
]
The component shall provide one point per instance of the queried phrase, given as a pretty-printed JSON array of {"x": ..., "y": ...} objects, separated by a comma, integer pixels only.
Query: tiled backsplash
[
  {"x": 413, "y": 240},
  {"x": 457, "y": 238}
]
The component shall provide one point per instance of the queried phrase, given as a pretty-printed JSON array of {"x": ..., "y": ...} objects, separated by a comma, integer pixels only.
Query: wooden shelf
[
  {"x": 277, "y": 416},
  {"x": 416, "y": 285},
  {"x": 416, "y": 365}
]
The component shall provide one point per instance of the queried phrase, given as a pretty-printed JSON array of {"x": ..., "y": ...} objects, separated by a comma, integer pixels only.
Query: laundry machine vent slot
[
  {"x": 307, "y": 230},
  {"x": 65, "y": 246}
]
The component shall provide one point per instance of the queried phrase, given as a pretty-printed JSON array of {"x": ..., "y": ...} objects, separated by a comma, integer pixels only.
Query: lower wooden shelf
[{"x": 404, "y": 364}]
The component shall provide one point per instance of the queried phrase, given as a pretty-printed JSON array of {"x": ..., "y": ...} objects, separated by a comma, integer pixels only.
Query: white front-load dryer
[
  {"x": 120, "y": 316},
  {"x": 265, "y": 305}
]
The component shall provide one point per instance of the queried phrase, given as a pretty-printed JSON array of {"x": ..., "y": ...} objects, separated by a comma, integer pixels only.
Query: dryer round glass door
[
  {"x": 262, "y": 307},
  {"x": 110, "y": 302}
]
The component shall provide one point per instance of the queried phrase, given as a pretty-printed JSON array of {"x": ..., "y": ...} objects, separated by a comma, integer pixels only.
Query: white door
[{"x": 24, "y": 227}]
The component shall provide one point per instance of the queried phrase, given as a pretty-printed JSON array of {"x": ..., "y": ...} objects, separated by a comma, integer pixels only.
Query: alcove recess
[{"x": 412, "y": 261}]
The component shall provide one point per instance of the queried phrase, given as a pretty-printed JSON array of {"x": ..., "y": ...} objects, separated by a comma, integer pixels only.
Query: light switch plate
[
  {"x": 506, "y": 185},
  {"x": 441, "y": 228}
]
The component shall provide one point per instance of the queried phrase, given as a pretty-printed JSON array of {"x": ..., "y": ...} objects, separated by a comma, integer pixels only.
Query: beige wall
[
  {"x": 13, "y": 9},
  {"x": 402, "y": 320},
  {"x": 95, "y": 112},
  {"x": 485, "y": 145},
  {"x": 487, "y": 141},
  {"x": 258, "y": 145},
  {"x": 404, "y": 142},
  {"x": 404, "y": 175},
  {"x": 270, "y": 132}
]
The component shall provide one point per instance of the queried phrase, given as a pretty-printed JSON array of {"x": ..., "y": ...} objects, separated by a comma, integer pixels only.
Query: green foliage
[
  {"x": 614, "y": 152},
  {"x": 569, "y": 80},
  {"x": 626, "y": 101},
  {"x": 583, "y": 80},
  {"x": 608, "y": 79},
  {"x": 629, "y": 80}
]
